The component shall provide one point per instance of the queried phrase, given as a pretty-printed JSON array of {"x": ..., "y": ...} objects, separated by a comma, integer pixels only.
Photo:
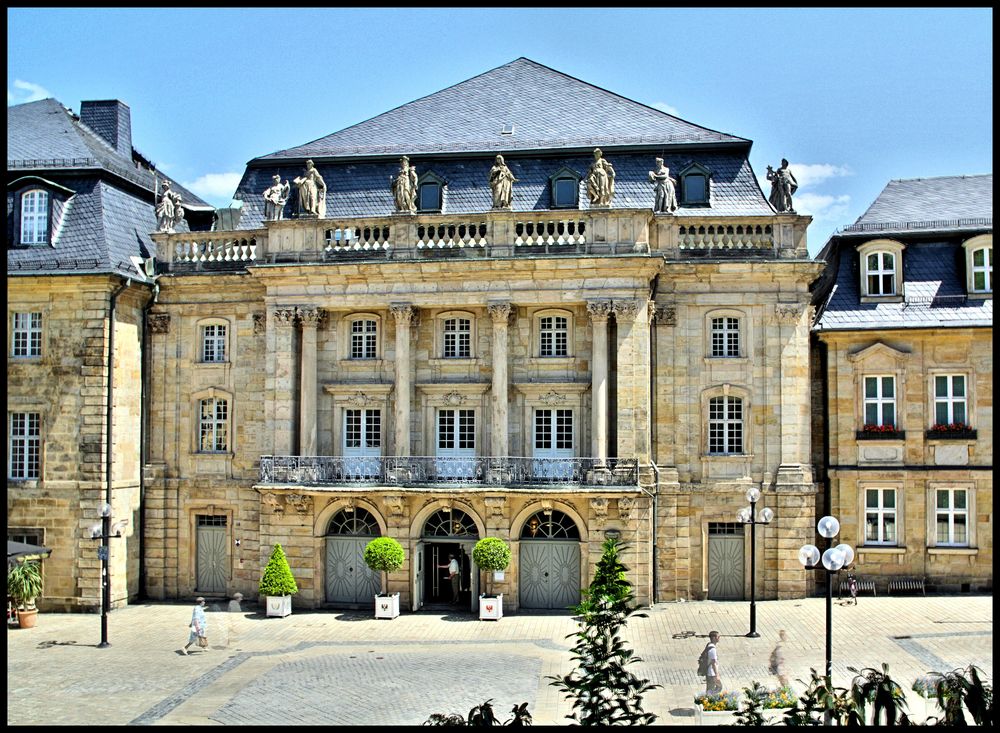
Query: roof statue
[
  {"x": 404, "y": 188},
  {"x": 783, "y": 185},
  {"x": 275, "y": 197},
  {"x": 600, "y": 180},
  {"x": 312, "y": 193},
  {"x": 169, "y": 212},
  {"x": 665, "y": 193},
  {"x": 501, "y": 184}
]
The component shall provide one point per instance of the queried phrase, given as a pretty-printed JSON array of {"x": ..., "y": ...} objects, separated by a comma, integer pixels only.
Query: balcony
[{"x": 445, "y": 472}]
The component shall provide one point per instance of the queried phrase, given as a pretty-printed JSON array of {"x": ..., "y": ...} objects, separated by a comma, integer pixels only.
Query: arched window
[
  {"x": 881, "y": 268},
  {"x": 979, "y": 264},
  {"x": 457, "y": 338},
  {"x": 35, "y": 217},
  {"x": 549, "y": 524},
  {"x": 454, "y": 523},
  {"x": 353, "y": 521},
  {"x": 364, "y": 338}
]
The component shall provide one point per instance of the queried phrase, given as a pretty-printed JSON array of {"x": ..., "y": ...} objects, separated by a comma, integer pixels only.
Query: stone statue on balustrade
[
  {"x": 404, "y": 188},
  {"x": 501, "y": 183},
  {"x": 275, "y": 197},
  {"x": 169, "y": 212},
  {"x": 783, "y": 185},
  {"x": 600, "y": 180},
  {"x": 312, "y": 193},
  {"x": 665, "y": 192}
]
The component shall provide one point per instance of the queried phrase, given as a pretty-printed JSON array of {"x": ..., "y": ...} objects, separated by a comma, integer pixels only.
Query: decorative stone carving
[
  {"x": 404, "y": 188},
  {"x": 311, "y": 316},
  {"x": 394, "y": 505},
  {"x": 599, "y": 506},
  {"x": 454, "y": 398},
  {"x": 665, "y": 315},
  {"x": 495, "y": 506},
  {"x": 599, "y": 310},
  {"x": 625, "y": 310},
  {"x": 275, "y": 197},
  {"x": 664, "y": 190},
  {"x": 500, "y": 312},
  {"x": 169, "y": 212},
  {"x": 312, "y": 193},
  {"x": 273, "y": 503},
  {"x": 600, "y": 180},
  {"x": 783, "y": 185},
  {"x": 788, "y": 312},
  {"x": 285, "y": 316},
  {"x": 552, "y": 398},
  {"x": 403, "y": 314},
  {"x": 501, "y": 184},
  {"x": 626, "y": 504},
  {"x": 159, "y": 322},
  {"x": 259, "y": 323},
  {"x": 300, "y": 502},
  {"x": 359, "y": 399}
]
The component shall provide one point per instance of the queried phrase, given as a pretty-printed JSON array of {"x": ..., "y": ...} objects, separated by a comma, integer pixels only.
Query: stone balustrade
[{"x": 210, "y": 250}]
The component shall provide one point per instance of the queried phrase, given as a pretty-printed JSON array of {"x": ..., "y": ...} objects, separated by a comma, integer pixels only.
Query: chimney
[{"x": 111, "y": 120}]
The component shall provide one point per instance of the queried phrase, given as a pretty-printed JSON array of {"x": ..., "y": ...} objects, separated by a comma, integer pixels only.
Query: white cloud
[
  {"x": 664, "y": 107},
  {"x": 216, "y": 188},
  {"x": 821, "y": 207},
  {"x": 809, "y": 175},
  {"x": 25, "y": 91}
]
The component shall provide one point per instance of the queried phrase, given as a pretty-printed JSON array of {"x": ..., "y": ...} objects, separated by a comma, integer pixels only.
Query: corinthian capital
[
  {"x": 284, "y": 315},
  {"x": 499, "y": 312},
  {"x": 311, "y": 317},
  {"x": 625, "y": 310},
  {"x": 599, "y": 310},
  {"x": 405, "y": 314}
]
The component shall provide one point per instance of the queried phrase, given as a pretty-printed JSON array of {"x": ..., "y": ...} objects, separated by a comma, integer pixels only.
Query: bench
[
  {"x": 864, "y": 584},
  {"x": 907, "y": 584}
]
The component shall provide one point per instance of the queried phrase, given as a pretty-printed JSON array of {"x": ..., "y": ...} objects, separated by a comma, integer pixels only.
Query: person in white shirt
[
  {"x": 455, "y": 576},
  {"x": 713, "y": 680}
]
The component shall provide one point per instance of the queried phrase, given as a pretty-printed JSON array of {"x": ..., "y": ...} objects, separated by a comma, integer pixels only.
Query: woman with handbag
[{"x": 199, "y": 626}]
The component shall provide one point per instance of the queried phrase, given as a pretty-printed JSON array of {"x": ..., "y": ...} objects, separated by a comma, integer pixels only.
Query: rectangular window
[
  {"x": 554, "y": 332},
  {"x": 364, "y": 335},
  {"x": 565, "y": 190},
  {"x": 695, "y": 189},
  {"x": 949, "y": 399},
  {"x": 25, "y": 445},
  {"x": 952, "y": 516},
  {"x": 31, "y": 536},
  {"x": 457, "y": 338},
  {"x": 214, "y": 426},
  {"x": 982, "y": 270},
  {"x": 213, "y": 343},
  {"x": 725, "y": 425},
  {"x": 881, "y": 273},
  {"x": 880, "y": 517},
  {"x": 457, "y": 429},
  {"x": 725, "y": 336},
  {"x": 26, "y": 335},
  {"x": 362, "y": 428},
  {"x": 880, "y": 401},
  {"x": 430, "y": 197},
  {"x": 35, "y": 217}
]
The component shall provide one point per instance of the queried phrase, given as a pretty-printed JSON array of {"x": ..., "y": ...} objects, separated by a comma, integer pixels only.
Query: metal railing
[{"x": 447, "y": 471}]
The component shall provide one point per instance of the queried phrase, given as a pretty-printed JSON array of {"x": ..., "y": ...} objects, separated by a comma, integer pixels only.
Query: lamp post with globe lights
[
  {"x": 104, "y": 531},
  {"x": 748, "y": 515}
]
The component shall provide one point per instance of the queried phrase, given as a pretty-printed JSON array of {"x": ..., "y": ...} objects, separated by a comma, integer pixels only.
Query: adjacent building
[{"x": 904, "y": 365}]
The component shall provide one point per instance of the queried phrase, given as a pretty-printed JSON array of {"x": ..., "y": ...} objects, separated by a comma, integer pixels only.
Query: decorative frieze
[{"x": 159, "y": 322}]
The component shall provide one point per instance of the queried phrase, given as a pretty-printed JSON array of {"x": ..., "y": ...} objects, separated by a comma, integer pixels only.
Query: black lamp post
[
  {"x": 748, "y": 515},
  {"x": 104, "y": 531},
  {"x": 831, "y": 561}
]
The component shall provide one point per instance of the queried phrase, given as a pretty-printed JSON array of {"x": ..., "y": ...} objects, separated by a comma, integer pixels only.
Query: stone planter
[
  {"x": 279, "y": 606},
  {"x": 951, "y": 435},
  {"x": 774, "y": 716},
  {"x": 876, "y": 435},
  {"x": 387, "y": 606},
  {"x": 714, "y": 717},
  {"x": 491, "y": 607}
]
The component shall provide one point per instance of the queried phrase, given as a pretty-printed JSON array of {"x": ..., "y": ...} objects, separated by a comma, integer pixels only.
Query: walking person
[
  {"x": 713, "y": 680},
  {"x": 199, "y": 626},
  {"x": 777, "y": 662},
  {"x": 455, "y": 576}
]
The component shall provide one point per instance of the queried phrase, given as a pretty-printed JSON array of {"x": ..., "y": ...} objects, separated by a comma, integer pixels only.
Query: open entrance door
[{"x": 418, "y": 576}]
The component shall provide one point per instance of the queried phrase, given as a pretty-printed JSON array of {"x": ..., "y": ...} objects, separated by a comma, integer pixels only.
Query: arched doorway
[
  {"x": 549, "y": 561},
  {"x": 348, "y": 580},
  {"x": 446, "y": 532}
]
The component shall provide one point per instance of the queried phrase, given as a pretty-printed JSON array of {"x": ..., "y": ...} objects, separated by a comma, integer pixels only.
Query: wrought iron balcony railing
[{"x": 447, "y": 471}]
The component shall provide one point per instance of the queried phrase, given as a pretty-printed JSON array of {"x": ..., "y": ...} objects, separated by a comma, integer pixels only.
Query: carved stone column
[
  {"x": 599, "y": 311},
  {"x": 310, "y": 319},
  {"x": 500, "y": 314},
  {"x": 284, "y": 319},
  {"x": 404, "y": 315},
  {"x": 632, "y": 317}
]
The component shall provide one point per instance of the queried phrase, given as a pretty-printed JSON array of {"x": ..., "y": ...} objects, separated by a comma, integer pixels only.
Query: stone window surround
[
  {"x": 744, "y": 335},
  {"x": 535, "y": 317},
  {"x": 432, "y": 178},
  {"x": 873, "y": 246},
  {"x": 347, "y": 320},
  {"x": 439, "y": 319},
  {"x": 213, "y": 393},
  {"x": 230, "y": 339},
  {"x": 880, "y": 400},
  {"x": 21, "y": 410},
  {"x": 564, "y": 173},
  {"x": 694, "y": 169},
  {"x": 368, "y": 396},
  {"x": 727, "y": 390},
  {"x": 897, "y": 369},
  {"x": 452, "y": 396},
  {"x": 970, "y": 509},
  {"x": 215, "y": 510},
  {"x": 970, "y": 393},
  {"x": 982, "y": 241},
  {"x": 552, "y": 396},
  {"x": 41, "y": 331},
  {"x": 894, "y": 485}
]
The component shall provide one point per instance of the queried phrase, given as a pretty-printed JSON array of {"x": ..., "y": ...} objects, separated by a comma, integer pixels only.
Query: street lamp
[
  {"x": 833, "y": 559},
  {"x": 104, "y": 531},
  {"x": 747, "y": 515}
]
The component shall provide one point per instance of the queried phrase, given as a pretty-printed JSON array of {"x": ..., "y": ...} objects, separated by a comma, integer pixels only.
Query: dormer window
[
  {"x": 35, "y": 217},
  {"x": 881, "y": 268},
  {"x": 430, "y": 193},
  {"x": 979, "y": 264},
  {"x": 695, "y": 185},
  {"x": 565, "y": 189}
]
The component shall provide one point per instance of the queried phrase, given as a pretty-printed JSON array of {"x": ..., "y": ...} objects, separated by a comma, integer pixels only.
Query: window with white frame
[
  {"x": 553, "y": 430},
  {"x": 880, "y": 401},
  {"x": 725, "y": 425},
  {"x": 880, "y": 517},
  {"x": 35, "y": 217},
  {"x": 456, "y": 430},
  {"x": 457, "y": 341},
  {"x": 24, "y": 445},
  {"x": 364, "y": 339},
  {"x": 880, "y": 273},
  {"x": 949, "y": 399},
  {"x": 982, "y": 270},
  {"x": 951, "y": 514},
  {"x": 725, "y": 336},
  {"x": 213, "y": 343},
  {"x": 26, "y": 335},
  {"x": 553, "y": 334},
  {"x": 213, "y": 426},
  {"x": 363, "y": 431}
]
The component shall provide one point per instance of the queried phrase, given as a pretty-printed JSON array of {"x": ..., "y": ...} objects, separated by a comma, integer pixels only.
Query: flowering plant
[
  {"x": 926, "y": 685},
  {"x": 953, "y": 427},
  {"x": 718, "y": 701},
  {"x": 872, "y": 428},
  {"x": 783, "y": 697}
]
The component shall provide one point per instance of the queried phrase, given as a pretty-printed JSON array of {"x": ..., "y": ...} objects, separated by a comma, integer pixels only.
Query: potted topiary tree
[
  {"x": 24, "y": 585},
  {"x": 491, "y": 555},
  {"x": 385, "y": 555},
  {"x": 278, "y": 584}
]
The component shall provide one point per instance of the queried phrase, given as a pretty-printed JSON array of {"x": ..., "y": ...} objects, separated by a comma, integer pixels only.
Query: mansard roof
[{"x": 549, "y": 110}]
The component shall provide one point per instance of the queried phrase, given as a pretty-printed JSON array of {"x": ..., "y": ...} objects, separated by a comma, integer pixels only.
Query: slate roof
[
  {"x": 932, "y": 217},
  {"x": 105, "y": 222},
  {"x": 549, "y": 110}
]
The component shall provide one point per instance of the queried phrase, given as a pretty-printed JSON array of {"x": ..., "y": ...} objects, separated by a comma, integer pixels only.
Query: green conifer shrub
[{"x": 278, "y": 579}]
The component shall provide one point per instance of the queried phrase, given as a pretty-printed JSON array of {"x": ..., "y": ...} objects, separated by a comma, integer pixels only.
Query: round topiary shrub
[
  {"x": 278, "y": 579},
  {"x": 491, "y": 554},
  {"x": 384, "y": 555}
]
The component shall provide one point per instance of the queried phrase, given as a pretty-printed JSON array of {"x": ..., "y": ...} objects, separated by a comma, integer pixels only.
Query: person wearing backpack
[{"x": 708, "y": 664}]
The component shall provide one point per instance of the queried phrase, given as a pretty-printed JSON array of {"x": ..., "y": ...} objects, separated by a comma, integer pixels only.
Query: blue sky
[{"x": 852, "y": 97}]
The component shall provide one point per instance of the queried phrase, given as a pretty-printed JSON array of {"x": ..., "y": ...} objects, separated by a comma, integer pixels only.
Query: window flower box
[
  {"x": 951, "y": 431},
  {"x": 880, "y": 432}
]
